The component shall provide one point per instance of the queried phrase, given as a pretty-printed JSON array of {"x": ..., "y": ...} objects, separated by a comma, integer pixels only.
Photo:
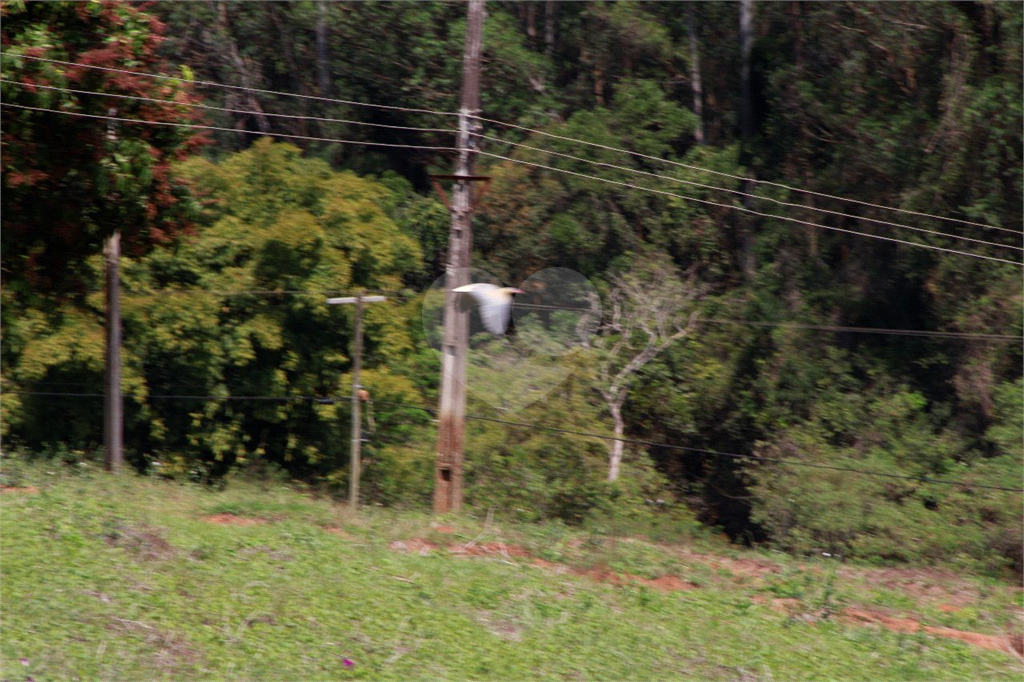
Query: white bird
[{"x": 495, "y": 304}]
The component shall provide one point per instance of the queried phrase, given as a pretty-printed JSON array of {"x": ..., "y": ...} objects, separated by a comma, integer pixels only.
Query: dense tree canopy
[
  {"x": 914, "y": 106},
  {"x": 71, "y": 180}
]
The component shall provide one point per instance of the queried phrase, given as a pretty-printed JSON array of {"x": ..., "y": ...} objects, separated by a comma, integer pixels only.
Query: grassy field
[{"x": 126, "y": 578}]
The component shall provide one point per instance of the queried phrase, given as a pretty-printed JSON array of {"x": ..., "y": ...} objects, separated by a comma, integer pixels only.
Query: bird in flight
[{"x": 495, "y": 304}]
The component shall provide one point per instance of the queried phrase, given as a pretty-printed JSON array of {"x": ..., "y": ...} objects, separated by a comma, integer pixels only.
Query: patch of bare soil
[
  {"x": 1009, "y": 643},
  {"x": 334, "y": 530},
  {"x": 142, "y": 541},
  {"x": 924, "y": 584},
  {"x": 170, "y": 650},
  {"x": 489, "y": 549},
  {"x": 668, "y": 583},
  {"x": 920, "y": 582},
  {"x": 442, "y": 528},
  {"x": 741, "y": 569},
  {"x": 233, "y": 520},
  {"x": 414, "y": 546},
  {"x": 25, "y": 490}
]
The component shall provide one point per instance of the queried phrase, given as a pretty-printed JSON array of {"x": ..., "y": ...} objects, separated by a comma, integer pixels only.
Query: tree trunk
[
  {"x": 531, "y": 22},
  {"x": 698, "y": 94},
  {"x": 746, "y": 131},
  {"x": 322, "y": 70},
  {"x": 549, "y": 28},
  {"x": 243, "y": 67},
  {"x": 617, "y": 445}
]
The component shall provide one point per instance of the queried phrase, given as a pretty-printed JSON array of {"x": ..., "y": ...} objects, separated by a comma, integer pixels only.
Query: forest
[{"x": 823, "y": 198}]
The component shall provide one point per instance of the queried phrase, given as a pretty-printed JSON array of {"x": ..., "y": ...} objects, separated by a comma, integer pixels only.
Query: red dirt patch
[
  {"x": 669, "y": 583},
  {"x": 924, "y": 584},
  {"x": 334, "y": 530},
  {"x": 233, "y": 520},
  {"x": 28, "y": 489},
  {"x": 421, "y": 547},
  {"x": 740, "y": 568},
  {"x": 143, "y": 541},
  {"x": 665, "y": 583},
  {"x": 442, "y": 528},
  {"x": 1008, "y": 644},
  {"x": 489, "y": 549}
]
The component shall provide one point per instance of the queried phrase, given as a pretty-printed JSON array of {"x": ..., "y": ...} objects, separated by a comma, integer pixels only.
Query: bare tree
[{"x": 650, "y": 309}]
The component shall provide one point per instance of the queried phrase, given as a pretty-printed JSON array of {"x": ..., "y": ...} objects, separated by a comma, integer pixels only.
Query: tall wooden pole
[
  {"x": 113, "y": 415},
  {"x": 452, "y": 408},
  {"x": 357, "y": 419},
  {"x": 357, "y": 415}
]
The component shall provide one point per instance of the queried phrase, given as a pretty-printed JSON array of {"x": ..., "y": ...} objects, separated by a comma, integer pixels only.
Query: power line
[
  {"x": 747, "y": 210},
  {"x": 232, "y": 111},
  {"x": 984, "y": 336},
  {"x": 719, "y": 453},
  {"x": 867, "y": 330},
  {"x": 531, "y": 130},
  {"x": 231, "y": 87},
  {"x": 147, "y": 396},
  {"x": 744, "y": 194},
  {"x": 553, "y": 429},
  {"x": 527, "y": 163},
  {"x": 229, "y": 130},
  {"x": 740, "y": 177}
]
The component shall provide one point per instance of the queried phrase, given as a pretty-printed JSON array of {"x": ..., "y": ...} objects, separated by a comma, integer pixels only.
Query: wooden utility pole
[
  {"x": 113, "y": 414},
  {"x": 452, "y": 408},
  {"x": 355, "y": 463}
]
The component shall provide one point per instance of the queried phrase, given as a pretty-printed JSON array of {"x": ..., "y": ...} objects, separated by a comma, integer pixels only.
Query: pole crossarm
[{"x": 355, "y": 299}]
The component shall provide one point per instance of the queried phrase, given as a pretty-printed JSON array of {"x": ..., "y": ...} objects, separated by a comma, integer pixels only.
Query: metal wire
[
  {"x": 230, "y": 130},
  {"x": 232, "y": 111},
  {"x": 230, "y": 87},
  {"x": 739, "y": 177},
  {"x": 747, "y": 210},
  {"x": 536, "y": 427},
  {"x": 773, "y": 200}
]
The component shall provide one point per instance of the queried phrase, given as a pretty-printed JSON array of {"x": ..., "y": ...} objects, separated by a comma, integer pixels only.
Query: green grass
[{"x": 122, "y": 578}]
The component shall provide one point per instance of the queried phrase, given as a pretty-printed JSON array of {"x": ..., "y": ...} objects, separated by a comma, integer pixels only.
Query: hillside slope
[{"x": 133, "y": 578}]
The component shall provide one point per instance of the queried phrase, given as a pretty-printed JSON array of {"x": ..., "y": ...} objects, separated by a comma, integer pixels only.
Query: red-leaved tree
[{"x": 69, "y": 180}]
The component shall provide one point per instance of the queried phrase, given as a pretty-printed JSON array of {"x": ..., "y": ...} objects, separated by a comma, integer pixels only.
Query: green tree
[{"x": 201, "y": 319}]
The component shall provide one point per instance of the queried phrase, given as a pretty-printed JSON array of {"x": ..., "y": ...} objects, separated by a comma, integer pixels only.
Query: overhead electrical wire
[
  {"x": 537, "y": 132},
  {"x": 525, "y": 129},
  {"x": 197, "y": 126},
  {"x": 232, "y": 111},
  {"x": 331, "y": 100},
  {"x": 553, "y": 429},
  {"x": 739, "y": 177},
  {"x": 516, "y": 144},
  {"x": 718, "y": 453},
  {"x": 741, "y": 193},
  {"x": 891, "y": 331},
  {"x": 747, "y": 210},
  {"x": 518, "y": 161}
]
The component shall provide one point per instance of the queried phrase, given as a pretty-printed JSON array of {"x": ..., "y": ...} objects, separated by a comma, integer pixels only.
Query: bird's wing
[
  {"x": 495, "y": 312},
  {"x": 495, "y": 305}
]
